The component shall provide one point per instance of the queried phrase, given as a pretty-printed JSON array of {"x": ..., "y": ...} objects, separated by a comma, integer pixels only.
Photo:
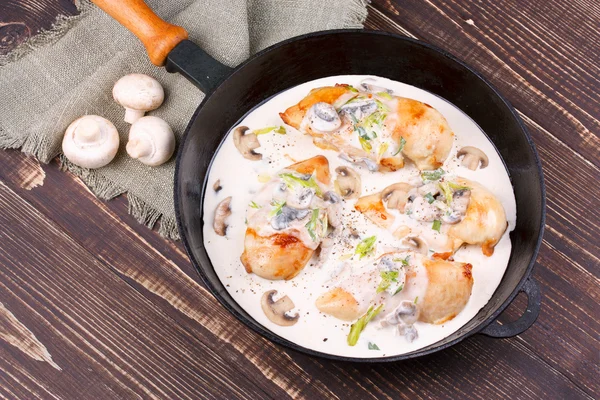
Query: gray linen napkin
[{"x": 70, "y": 71}]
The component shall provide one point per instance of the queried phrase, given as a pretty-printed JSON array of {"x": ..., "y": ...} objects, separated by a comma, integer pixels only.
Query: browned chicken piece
[
  {"x": 406, "y": 127},
  {"x": 280, "y": 256},
  {"x": 283, "y": 253},
  {"x": 484, "y": 222},
  {"x": 294, "y": 115},
  {"x": 428, "y": 136},
  {"x": 373, "y": 208},
  {"x": 340, "y": 304},
  {"x": 448, "y": 290}
]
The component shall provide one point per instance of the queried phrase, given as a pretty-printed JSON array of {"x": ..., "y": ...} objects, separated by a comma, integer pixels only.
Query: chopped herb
[
  {"x": 365, "y": 246},
  {"x": 276, "y": 129},
  {"x": 324, "y": 224},
  {"x": 291, "y": 180},
  {"x": 404, "y": 261},
  {"x": 400, "y": 146},
  {"x": 456, "y": 186},
  {"x": 445, "y": 188},
  {"x": 374, "y": 120},
  {"x": 429, "y": 198},
  {"x": 398, "y": 290},
  {"x": 352, "y": 88},
  {"x": 365, "y": 143},
  {"x": 312, "y": 224},
  {"x": 408, "y": 212},
  {"x": 381, "y": 106},
  {"x": 437, "y": 224},
  {"x": 277, "y": 206},
  {"x": 246, "y": 221},
  {"x": 387, "y": 277},
  {"x": 373, "y": 346},
  {"x": 416, "y": 299},
  {"x": 432, "y": 175},
  {"x": 359, "y": 326},
  {"x": 385, "y": 95},
  {"x": 254, "y": 205},
  {"x": 382, "y": 149}
]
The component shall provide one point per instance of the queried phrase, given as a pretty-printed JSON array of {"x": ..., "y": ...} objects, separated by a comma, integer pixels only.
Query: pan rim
[{"x": 258, "y": 328}]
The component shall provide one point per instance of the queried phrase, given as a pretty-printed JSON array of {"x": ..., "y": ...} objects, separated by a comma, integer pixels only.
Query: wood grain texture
[
  {"x": 180, "y": 297},
  {"x": 130, "y": 340},
  {"x": 122, "y": 313},
  {"x": 19, "y": 20},
  {"x": 543, "y": 55}
]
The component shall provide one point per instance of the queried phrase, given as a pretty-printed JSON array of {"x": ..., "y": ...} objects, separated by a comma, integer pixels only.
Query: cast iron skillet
[{"x": 232, "y": 93}]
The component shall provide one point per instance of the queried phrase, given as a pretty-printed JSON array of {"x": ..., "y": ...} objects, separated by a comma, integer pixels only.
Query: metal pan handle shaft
[
  {"x": 159, "y": 37},
  {"x": 534, "y": 300}
]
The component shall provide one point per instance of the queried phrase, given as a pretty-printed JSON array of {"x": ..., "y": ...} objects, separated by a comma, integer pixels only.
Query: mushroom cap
[
  {"x": 90, "y": 142},
  {"x": 221, "y": 213},
  {"x": 151, "y": 141},
  {"x": 396, "y": 195},
  {"x": 348, "y": 182},
  {"x": 417, "y": 244},
  {"x": 138, "y": 92},
  {"x": 276, "y": 310},
  {"x": 472, "y": 157},
  {"x": 246, "y": 143}
]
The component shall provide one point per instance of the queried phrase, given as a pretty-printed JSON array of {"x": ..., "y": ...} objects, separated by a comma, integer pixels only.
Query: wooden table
[{"x": 94, "y": 305}]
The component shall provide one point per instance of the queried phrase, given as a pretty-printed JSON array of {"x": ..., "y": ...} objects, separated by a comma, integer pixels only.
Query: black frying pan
[{"x": 232, "y": 93}]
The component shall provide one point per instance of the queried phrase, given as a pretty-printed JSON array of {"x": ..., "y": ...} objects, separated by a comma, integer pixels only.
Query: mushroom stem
[
  {"x": 137, "y": 148},
  {"x": 132, "y": 115},
  {"x": 87, "y": 131},
  {"x": 471, "y": 161},
  {"x": 221, "y": 213}
]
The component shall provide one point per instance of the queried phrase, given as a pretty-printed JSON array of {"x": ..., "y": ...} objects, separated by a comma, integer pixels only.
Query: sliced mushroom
[
  {"x": 401, "y": 231},
  {"x": 286, "y": 216},
  {"x": 415, "y": 243},
  {"x": 360, "y": 108},
  {"x": 323, "y": 117},
  {"x": 472, "y": 158},
  {"x": 348, "y": 182},
  {"x": 460, "y": 203},
  {"x": 408, "y": 331},
  {"x": 301, "y": 198},
  {"x": 246, "y": 143},
  {"x": 217, "y": 186},
  {"x": 405, "y": 313},
  {"x": 370, "y": 87},
  {"x": 396, "y": 195},
  {"x": 222, "y": 212},
  {"x": 276, "y": 310}
]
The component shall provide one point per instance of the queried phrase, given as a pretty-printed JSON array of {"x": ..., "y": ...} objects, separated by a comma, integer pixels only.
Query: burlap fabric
[{"x": 69, "y": 71}]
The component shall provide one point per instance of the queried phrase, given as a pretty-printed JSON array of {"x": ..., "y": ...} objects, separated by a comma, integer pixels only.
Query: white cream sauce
[{"x": 241, "y": 179}]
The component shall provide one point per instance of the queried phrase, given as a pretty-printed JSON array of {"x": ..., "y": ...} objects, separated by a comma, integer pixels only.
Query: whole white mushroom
[
  {"x": 91, "y": 142},
  {"x": 138, "y": 93},
  {"x": 151, "y": 141}
]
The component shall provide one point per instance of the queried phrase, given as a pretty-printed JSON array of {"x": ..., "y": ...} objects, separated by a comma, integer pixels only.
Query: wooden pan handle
[{"x": 159, "y": 37}]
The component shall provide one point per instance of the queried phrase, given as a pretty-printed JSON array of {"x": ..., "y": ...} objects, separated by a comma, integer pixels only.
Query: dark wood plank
[
  {"x": 569, "y": 264},
  {"x": 188, "y": 303},
  {"x": 557, "y": 358},
  {"x": 543, "y": 55},
  {"x": 101, "y": 340},
  {"x": 20, "y": 20}
]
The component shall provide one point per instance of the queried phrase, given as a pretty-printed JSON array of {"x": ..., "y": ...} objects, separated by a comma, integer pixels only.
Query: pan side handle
[
  {"x": 159, "y": 37},
  {"x": 534, "y": 300}
]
